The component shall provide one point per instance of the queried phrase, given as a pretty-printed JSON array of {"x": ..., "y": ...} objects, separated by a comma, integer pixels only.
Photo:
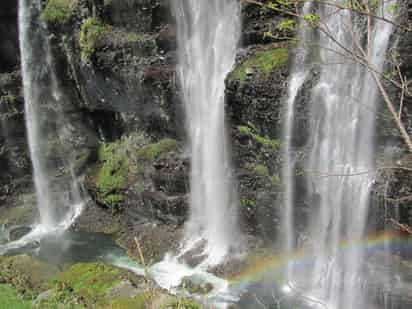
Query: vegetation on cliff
[
  {"x": 59, "y": 12},
  {"x": 262, "y": 61},
  {"x": 112, "y": 176},
  {"x": 91, "y": 32}
]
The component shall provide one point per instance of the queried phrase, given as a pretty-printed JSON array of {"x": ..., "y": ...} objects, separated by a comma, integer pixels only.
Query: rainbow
[{"x": 259, "y": 266}]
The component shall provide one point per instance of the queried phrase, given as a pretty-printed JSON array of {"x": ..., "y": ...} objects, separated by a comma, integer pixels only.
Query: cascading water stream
[
  {"x": 32, "y": 73},
  {"x": 343, "y": 106},
  {"x": 58, "y": 204},
  {"x": 208, "y": 32},
  {"x": 300, "y": 70}
]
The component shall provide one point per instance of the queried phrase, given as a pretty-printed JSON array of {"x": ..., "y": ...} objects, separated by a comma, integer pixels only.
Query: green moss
[
  {"x": 89, "y": 282},
  {"x": 244, "y": 130},
  {"x": 91, "y": 32},
  {"x": 272, "y": 144},
  {"x": 107, "y": 2},
  {"x": 133, "y": 37},
  {"x": 152, "y": 152},
  {"x": 261, "y": 170},
  {"x": 112, "y": 176},
  {"x": 10, "y": 299},
  {"x": 138, "y": 302},
  {"x": 275, "y": 181},
  {"x": 58, "y": 12},
  {"x": 263, "y": 61},
  {"x": 59, "y": 300},
  {"x": 183, "y": 304},
  {"x": 247, "y": 203},
  {"x": 263, "y": 177},
  {"x": 139, "y": 187},
  {"x": 8, "y": 98}
]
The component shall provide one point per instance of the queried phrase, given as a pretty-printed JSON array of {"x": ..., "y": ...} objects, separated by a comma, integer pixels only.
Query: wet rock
[
  {"x": 155, "y": 239},
  {"x": 44, "y": 296},
  {"x": 166, "y": 40},
  {"x": 141, "y": 15},
  {"x": 97, "y": 219},
  {"x": 258, "y": 21},
  {"x": 168, "y": 209},
  {"x": 20, "y": 210},
  {"x": 195, "y": 285},
  {"x": 389, "y": 280},
  {"x": 124, "y": 289},
  {"x": 195, "y": 255},
  {"x": 171, "y": 174},
  {"x": 13, "y": 145},
  {"x": 18, "y": 232},
  {"x": 258, "y": 100},
  {"x": 391, "y": 190},
  {"x": 9, "y": 47}
]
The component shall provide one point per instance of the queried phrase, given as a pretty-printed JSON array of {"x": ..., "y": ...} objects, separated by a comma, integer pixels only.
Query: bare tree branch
[{"x": 402, "y": 227}]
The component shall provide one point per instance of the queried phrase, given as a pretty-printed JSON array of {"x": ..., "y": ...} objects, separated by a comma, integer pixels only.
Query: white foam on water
[
  {"x": 39, "y": 231},
  {"x": 169, "y": 274}
]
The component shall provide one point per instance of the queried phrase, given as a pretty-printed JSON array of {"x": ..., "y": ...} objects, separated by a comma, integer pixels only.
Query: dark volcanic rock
[
  {"x": 18, "y": 232},
  {"x": 14, "y": 152},
  {"x": 256, "y": 96},
  {"x": 9, "y": 47},
  {"x": 259, "y": 25}
]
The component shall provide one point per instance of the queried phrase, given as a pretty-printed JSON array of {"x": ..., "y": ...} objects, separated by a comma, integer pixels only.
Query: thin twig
[{"x": 402, "y": 227}]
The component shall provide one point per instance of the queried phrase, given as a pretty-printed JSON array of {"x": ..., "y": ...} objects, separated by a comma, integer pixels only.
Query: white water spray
[
  {"x": 343, "y": 107},
  {"x": 300, "y": 70},
  {"x": 208, "y": 32},
  {"x": 41, "y": 90}
]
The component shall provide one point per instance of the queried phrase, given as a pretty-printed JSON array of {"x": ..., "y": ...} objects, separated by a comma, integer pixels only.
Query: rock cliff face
[
  {"x": 9, "y": 50},
  {"x": 14, "y": 156},
  {"x": 116, "y": 63}
]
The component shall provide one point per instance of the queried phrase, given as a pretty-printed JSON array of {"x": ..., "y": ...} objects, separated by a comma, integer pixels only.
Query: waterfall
[
  {"x": 58, "y": 203},
  {"x": 340, "y": 167},
  {"x": 208, "y": 32},
  {"x": 300, "y": 70}
]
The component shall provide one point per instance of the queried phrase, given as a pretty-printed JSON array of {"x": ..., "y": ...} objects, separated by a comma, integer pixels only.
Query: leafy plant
[
  {"x": 287, "y": 24},
  {"x": 90, "y": 33}
]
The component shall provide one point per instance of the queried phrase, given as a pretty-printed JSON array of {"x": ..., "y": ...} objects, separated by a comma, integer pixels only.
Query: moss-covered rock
[
  {"x": 59, "y": 12},
  {"x": 126, "y": 169},
  {"x": 183, "y": 304},
  {"x": 263, "y": 62},
  {"x": 141, "y": 44},
  {"x": 91, "y": 32},
  {"x": 92, "y": 285},
  {"x": 26, "y": 274},
  {"x": 111, "y": 177},
  {"x": 152, "y": 152},
  {"x": 263, "y": 141},
  {"x": 259, "y": 159},
  {"x": 140, "y": 301},
  {"x": 84, "y": 285},
  {"x": 88, "y": 283},
  {"x": 256, "y": 87}
]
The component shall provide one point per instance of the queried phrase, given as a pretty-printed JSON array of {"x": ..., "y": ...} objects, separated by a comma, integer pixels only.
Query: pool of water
[
  {"x": 64, "y": 248},
  {"x": 69, "y": 247}
]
